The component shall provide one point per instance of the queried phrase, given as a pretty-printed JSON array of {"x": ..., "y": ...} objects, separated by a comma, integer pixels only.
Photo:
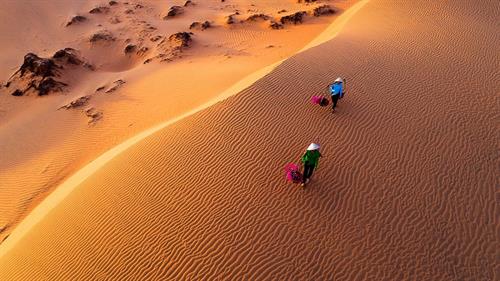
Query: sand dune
[
  {"x": 41, "y": 145},
  {"x": 406, "y": 190}
]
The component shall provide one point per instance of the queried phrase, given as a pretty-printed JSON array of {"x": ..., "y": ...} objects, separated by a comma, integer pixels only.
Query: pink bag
[
  {"x": 293, "y": 173},
  {"x": 322, "y": 101}
]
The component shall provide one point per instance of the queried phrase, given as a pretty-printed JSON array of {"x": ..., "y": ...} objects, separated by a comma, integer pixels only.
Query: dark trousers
[
  {"x": 335, "y": 99},
  {"x": 308, "y": 171}
]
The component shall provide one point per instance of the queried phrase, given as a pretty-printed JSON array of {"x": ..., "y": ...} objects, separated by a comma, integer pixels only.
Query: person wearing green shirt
[{"x": 310, "y": 160}]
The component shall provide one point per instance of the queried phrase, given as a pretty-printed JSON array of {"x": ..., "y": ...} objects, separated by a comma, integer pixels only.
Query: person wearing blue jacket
[{"x": 337, "y": 91}]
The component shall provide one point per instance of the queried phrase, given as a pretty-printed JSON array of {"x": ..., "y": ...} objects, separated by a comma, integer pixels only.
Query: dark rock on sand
[
  {"x": 89, "y": 66},
  {"x": 41, "y": 86},
  {"x": 17, "y": 93},
  {"x": 76, "y": 19},
  {"x": 323, "y": 10},
  {"x": 180, "y": 39},
  {"x": 257, "y": 17},
  {"x": 199, "y": 25},
  {"x": 37, "y": 66},
  {"x": 275, "y": 25},
  {"x": 81, "y": 101},
  {"x": 44, "y": 67},
  {"x": 231, "y": 19},
  {"x": 295, "y": 18},
  {"x": 171, "y": 48},
  {"x": 38, "y": 73},
  {"x": 99, "y": 10},
  {"x": 67, "y": 56},
  {"x": 130, "y": 48},
  {"x": 112, "y": 3},
  {"x": 174, "y": 11},
  {"x": 102, "y": 35},
  {"x": 189, "y": 3},
  {"x": 117, "y": 84},
  {"x": 49, "y": 85}
]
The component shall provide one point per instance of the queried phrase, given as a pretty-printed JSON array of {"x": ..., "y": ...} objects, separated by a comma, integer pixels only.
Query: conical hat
[
  {"x": 338, "y": 80},
  {"x": 313, "y": 146}
]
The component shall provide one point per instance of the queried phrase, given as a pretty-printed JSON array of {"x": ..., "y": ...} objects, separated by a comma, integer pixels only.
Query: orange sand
[
  {"x": 405, "y": 191},
  {"x": 41, "y": 146}
]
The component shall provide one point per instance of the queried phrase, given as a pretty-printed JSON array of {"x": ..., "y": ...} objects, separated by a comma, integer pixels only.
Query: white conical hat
[
  {"x": 313, "y": 146},
  {"x": 338, "y": 80}
]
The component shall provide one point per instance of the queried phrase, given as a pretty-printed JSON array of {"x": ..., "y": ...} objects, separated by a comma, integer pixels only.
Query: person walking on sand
[
  {"x": 310, "y": 160},
  {"x": 337, "y": 91}
]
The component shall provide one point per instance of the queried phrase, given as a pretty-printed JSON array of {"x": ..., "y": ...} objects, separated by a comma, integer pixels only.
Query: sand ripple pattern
[{"x": 406, "y": 190}]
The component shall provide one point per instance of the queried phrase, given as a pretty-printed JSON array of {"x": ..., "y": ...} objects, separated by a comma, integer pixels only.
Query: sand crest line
[{"x": 65, "y": 188}]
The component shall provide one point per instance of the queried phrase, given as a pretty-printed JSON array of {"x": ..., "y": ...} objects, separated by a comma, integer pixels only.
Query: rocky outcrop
[
  {"x": 93, "y": 114},
  {"x": 101, "y": 36},
  {"x": 112, "y": 3},
  {"x": 117, "y": 84},
  {"x": 174, "y": 11},
  {"x": 171, "y": 48},
  {"x": 17, "y": 93},
  {"x": 323, "y": 10},
  {"x": 180, "y": 40},
  {"x": 257, "y": 17},
  {"x": 295, "y": 18},
  {"x": 130, "y": 48},
  {"x": 78, "y": 102},
  {"x": 230, "y": 19},
  {"x": 200, "y": 25},
  {"x": 189, "y": 3},
  {"x": 76, "y": 19},
  {"x": 38, "y": 74},
  {"x": 37, "y": 66},
  {"x": 99, "y": 10},
  {"x": 275, "y": 25},
  {"x": 67, "y": 56},
  {"x": 47, "y": 85}
]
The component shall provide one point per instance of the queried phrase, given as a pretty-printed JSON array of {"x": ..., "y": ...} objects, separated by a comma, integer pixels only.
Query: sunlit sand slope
[
  {"x": 405, "y": 190},
  {"x": 46, "y": 139}
]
